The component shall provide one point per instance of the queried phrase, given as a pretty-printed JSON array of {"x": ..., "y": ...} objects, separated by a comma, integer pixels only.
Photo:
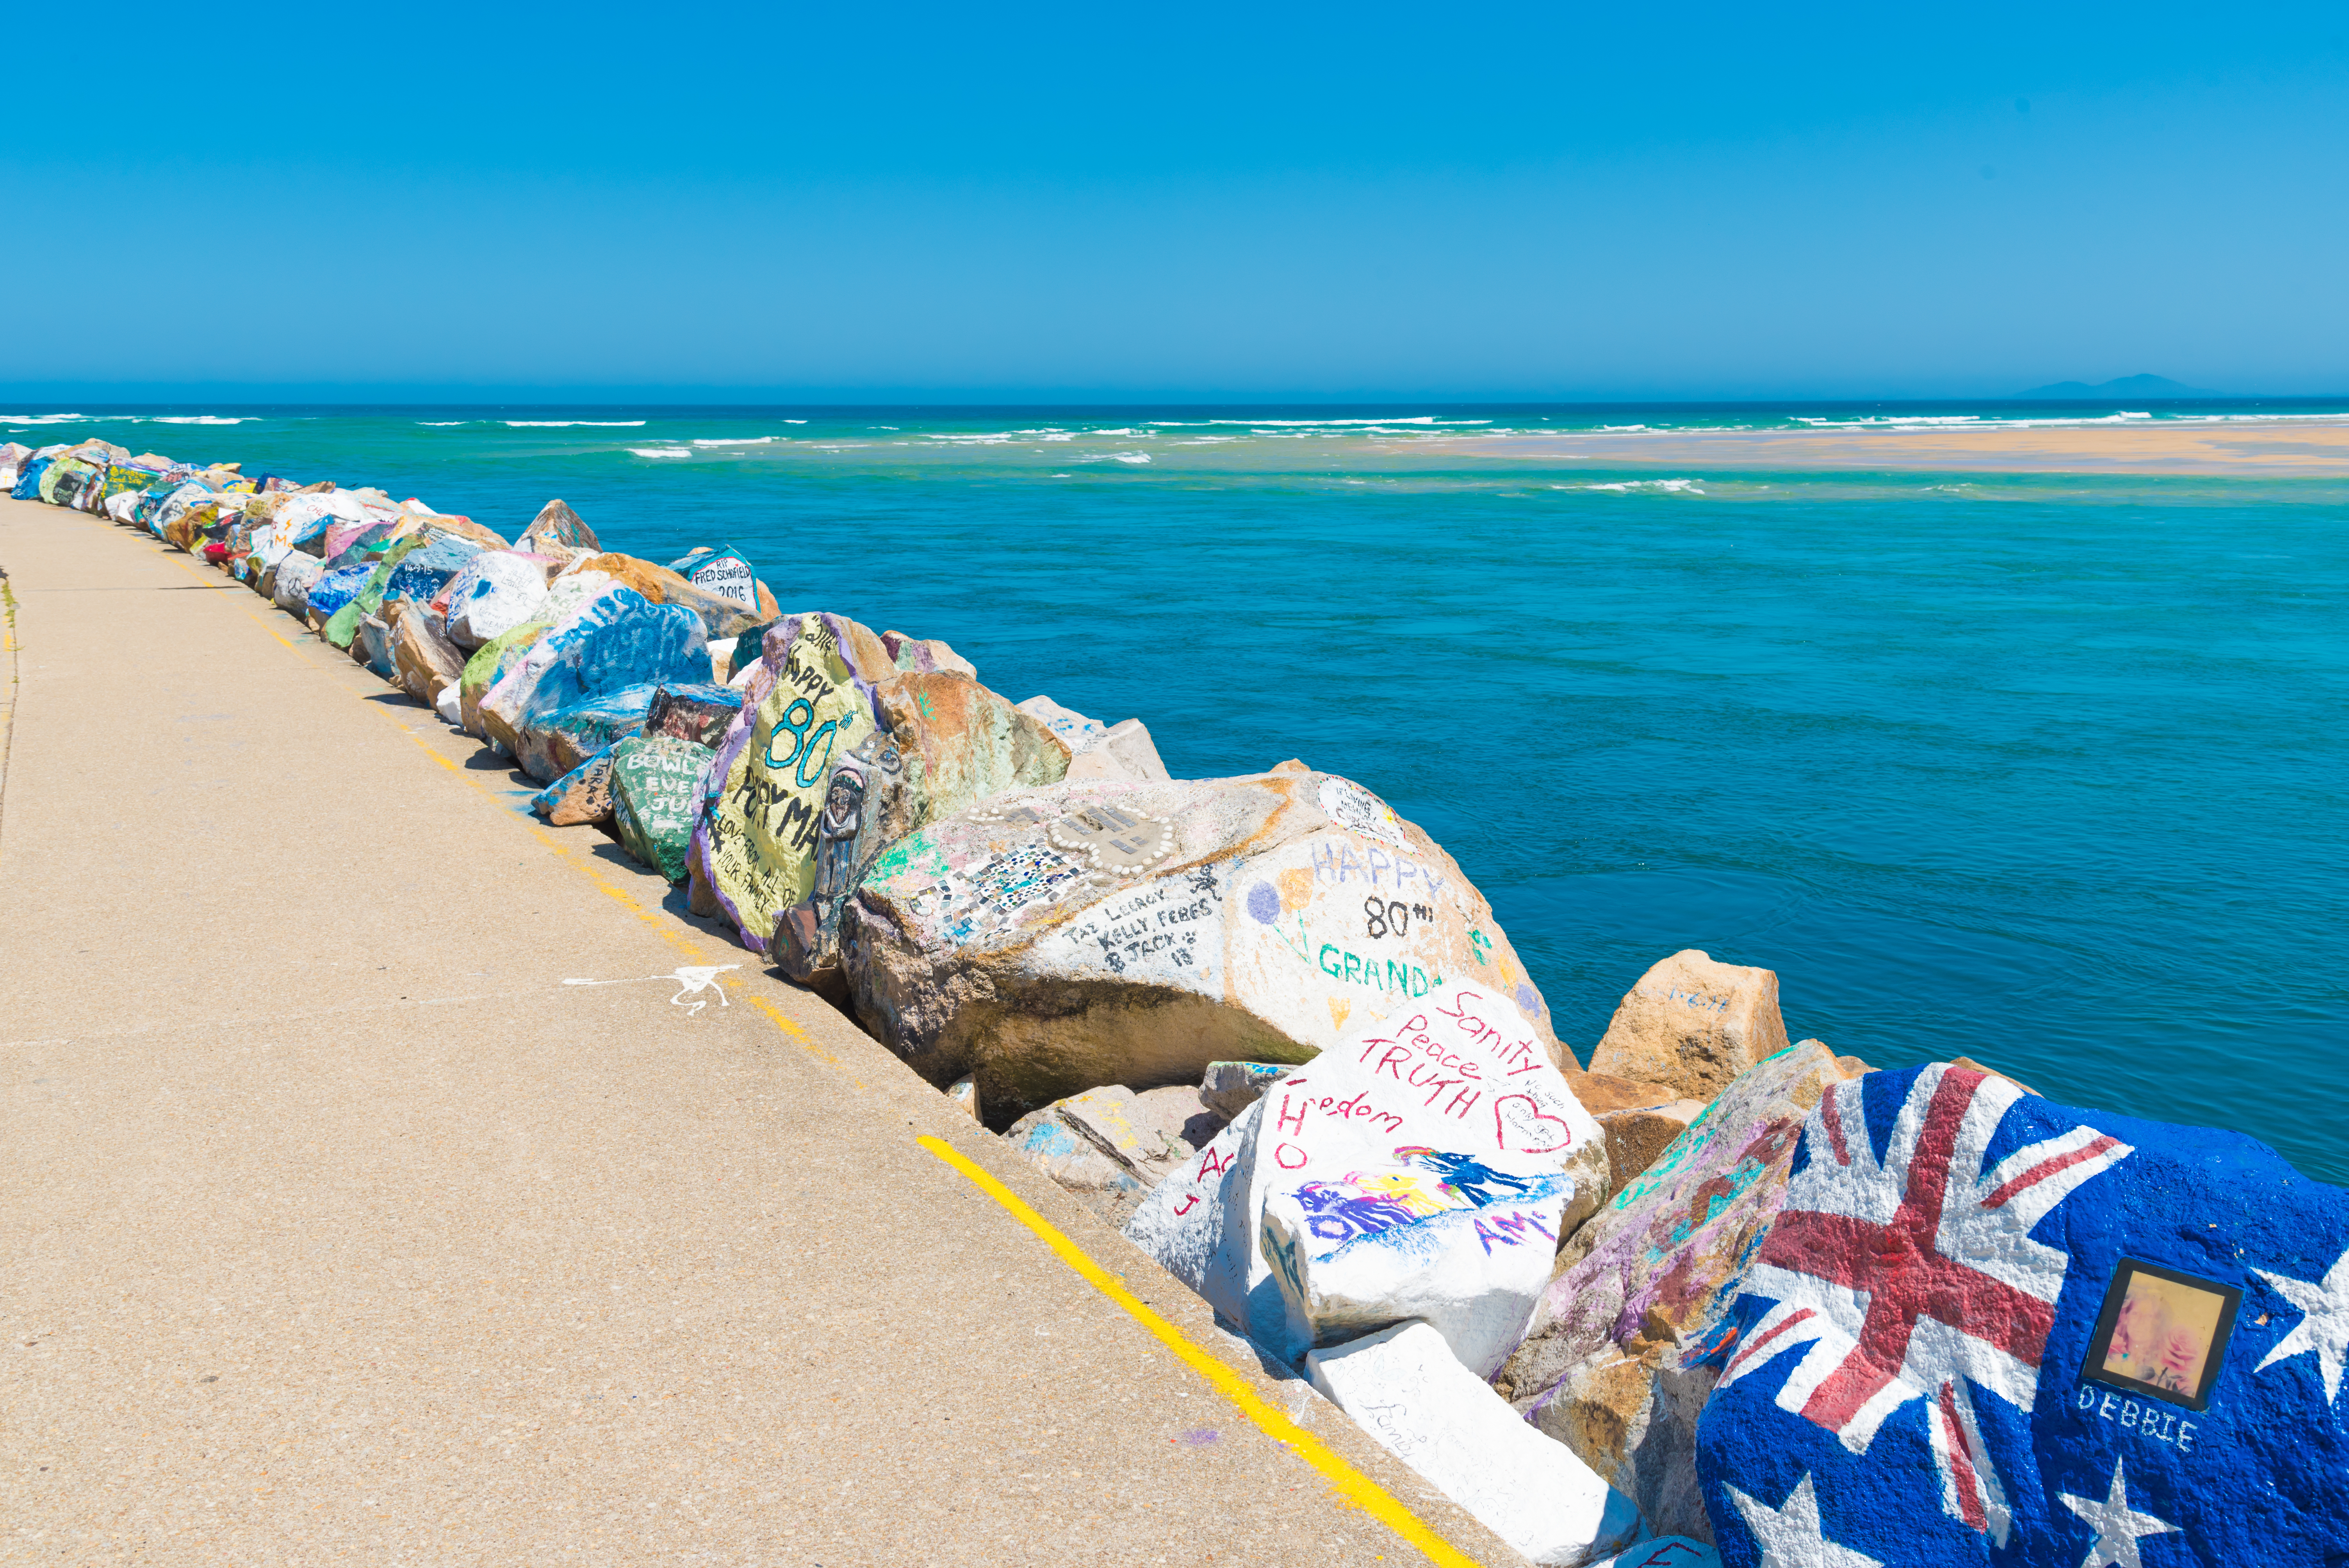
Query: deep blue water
[{"x": 2047, "y": 771}]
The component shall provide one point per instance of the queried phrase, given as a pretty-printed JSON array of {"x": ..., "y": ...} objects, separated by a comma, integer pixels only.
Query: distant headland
[{"x": 2120, "y": 386}]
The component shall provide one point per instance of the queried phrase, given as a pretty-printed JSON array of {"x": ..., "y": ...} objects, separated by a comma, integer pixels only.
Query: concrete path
[{"x": 338, "y": 1223}]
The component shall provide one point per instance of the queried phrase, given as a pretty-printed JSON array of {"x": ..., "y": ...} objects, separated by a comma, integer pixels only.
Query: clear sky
[{"x": 1058, "y": 201}]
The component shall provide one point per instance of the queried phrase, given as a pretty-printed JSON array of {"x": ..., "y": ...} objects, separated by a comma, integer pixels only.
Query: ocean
[{"x": 2043, "y": 769}]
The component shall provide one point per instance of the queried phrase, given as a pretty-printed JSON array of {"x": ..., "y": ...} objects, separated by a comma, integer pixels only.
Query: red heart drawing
[{"x": 1527, "y": 1124}]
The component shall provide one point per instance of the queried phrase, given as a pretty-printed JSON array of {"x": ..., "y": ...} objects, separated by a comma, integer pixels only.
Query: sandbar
[{"x": 2313, "y": 448}]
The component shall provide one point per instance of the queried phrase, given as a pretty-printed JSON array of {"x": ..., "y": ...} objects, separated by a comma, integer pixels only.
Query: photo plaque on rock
[{"x": 2162, "y": 1332}]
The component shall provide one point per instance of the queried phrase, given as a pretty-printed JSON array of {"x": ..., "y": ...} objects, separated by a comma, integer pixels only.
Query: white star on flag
[
  {"x": 2116, "y": 1524},
  {"x": 1790, "y": 1537},
  {"x": 2323, "y": 1325}
]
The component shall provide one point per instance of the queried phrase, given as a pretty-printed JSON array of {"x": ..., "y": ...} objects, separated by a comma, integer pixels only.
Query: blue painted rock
[
  {"x": 372, "y": 646},
  {"x": 1988, "y": 1328},
  {"x": 492, "y": 593},
  {"x": 495, "y": 659},
  {"x": 580, "y": 797},
  {"x": 613, "y": 640},
  {"x": 1423, "y": 1167},
  {"x": 811, "y": 704},
  {"x": 551, "y": 744},
  {"x": 1051, "y": 941},
  {"x": 656, "y": 797},
  {"x": 336, "y": 587},
  {"x": 1617, "y": 1361},
  {"x": 421, "y": 574}
]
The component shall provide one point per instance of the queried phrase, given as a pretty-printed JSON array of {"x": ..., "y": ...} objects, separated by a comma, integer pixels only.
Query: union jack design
[{"x": 1915, "y": 1276}]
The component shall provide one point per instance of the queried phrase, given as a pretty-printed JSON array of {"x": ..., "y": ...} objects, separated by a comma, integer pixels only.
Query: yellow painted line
[{"x": 1350, "y": 1483}]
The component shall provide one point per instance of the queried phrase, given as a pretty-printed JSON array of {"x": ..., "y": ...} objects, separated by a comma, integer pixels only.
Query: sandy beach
[{"x": 2313, "y": 448}]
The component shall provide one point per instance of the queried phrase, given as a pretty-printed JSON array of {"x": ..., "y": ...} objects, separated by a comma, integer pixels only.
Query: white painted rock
[
  {"x": 1403, "y": 1386},
  {"x": 1122, "y": 750},
  {"x": 495, "y": 592},
  {"x": 296, "y": 574},
  {"x": 1422, "y": 1168},
  {"x": 1051, "y": 940}
]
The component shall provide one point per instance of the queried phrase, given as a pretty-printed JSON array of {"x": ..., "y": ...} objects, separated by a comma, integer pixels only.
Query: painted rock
[
  {"x": 580, "y": 797},
  {"x": 422, "y": 573},
  {"x": 488, "y": 666},
  {"x": 556, "y": 524},
  {"x": 1123, "y": 751},
  {"x": 336, "y": 587},
  {"x": 549, "y": 745},
  {"x": 702, "y": 713},
  {"x": 13, "y": 458},
  {"x": 1111, "y": 1146},
  {"x": 942, "y": 744},
  {"x": 655, "y": 782},
  {"x": 725, "y": 573},
  {"x": 1988, "y": 1328},
  {"x": 1638, "y": 1137},
  {"x": 811, "y": 704},
  {"x": 1403, "y": 1386},
  {"x": 613, "y": 639},
  {"x": 1423, "y": 1167},
  {"x": 1052, "y": 941},
  {"x": 427, "y": 660},
  {"x": 720, "y": 616},
  {"x": 1693, "y": 1025},
  {"x": 1614, "y": 1364},
  {"x": 296, "y": 575},
  {"x": 492, "y": 593}
]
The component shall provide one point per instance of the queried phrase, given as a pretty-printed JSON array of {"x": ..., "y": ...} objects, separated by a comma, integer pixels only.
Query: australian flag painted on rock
[{"x": 1990, "y": 1329}]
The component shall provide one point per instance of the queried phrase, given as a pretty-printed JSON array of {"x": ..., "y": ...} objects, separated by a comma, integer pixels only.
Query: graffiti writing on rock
[{"x": 1336, "y": 864}]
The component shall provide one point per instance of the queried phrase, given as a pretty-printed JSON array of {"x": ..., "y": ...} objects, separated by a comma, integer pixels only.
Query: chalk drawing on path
[{"x": 692, "y": 979}]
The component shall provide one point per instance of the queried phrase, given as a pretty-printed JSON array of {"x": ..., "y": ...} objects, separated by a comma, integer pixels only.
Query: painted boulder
[
  {"x": 726, "y": 575},
  {"x": 656, "y": 784},
  {"x": 492, "y": 593},
  {"x": 336, "y": 587},
  {"x": 582, "y": 797},
  {"x": 1096, "y": 750},
  {"x": 549, "y": 745},
  {"x": 811, "y": 703},
  {"x": 613, "y": 640},
  {"x": 296, "y": 575},
  {"x": 558, "y": 526},
  {"x": 1693, "y": 1023},
  {"x": 1054, "y": 939},
  {"x": 13, "y": 455},
  {"x": 700, "y": 713},
  {"x": 1986, "y": 1328},
  {"x": 1403, "y": 1386},
  {"x": 1423, "y": 1167},
  {"x": 1111, "y": 1146},
  {"x": 1618, "y": 1360},
  {"x": 720, "y": 616},
  {"x": 942, "y": 743}
]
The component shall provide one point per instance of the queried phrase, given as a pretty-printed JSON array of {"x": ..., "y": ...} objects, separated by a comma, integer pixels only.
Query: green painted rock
[{"x": 656, "y": 784}]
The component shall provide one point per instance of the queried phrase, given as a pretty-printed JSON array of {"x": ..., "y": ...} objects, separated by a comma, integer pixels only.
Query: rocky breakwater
[{"x": 1719, "y": 1298}]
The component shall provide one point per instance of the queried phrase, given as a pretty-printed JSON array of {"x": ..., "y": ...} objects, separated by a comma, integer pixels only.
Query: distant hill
[{"x": 2125, "y": 387}]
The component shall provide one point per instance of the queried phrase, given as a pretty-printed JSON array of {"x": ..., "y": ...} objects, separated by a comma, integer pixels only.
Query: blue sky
[{"x": 1212, "y": 200}]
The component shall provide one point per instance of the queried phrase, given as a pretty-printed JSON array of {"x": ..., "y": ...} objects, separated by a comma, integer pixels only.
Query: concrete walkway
[{"x": 339, "y": 1222}]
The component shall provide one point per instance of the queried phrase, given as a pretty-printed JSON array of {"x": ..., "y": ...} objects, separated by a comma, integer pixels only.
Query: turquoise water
[{"x": 2044, "y": 770}]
